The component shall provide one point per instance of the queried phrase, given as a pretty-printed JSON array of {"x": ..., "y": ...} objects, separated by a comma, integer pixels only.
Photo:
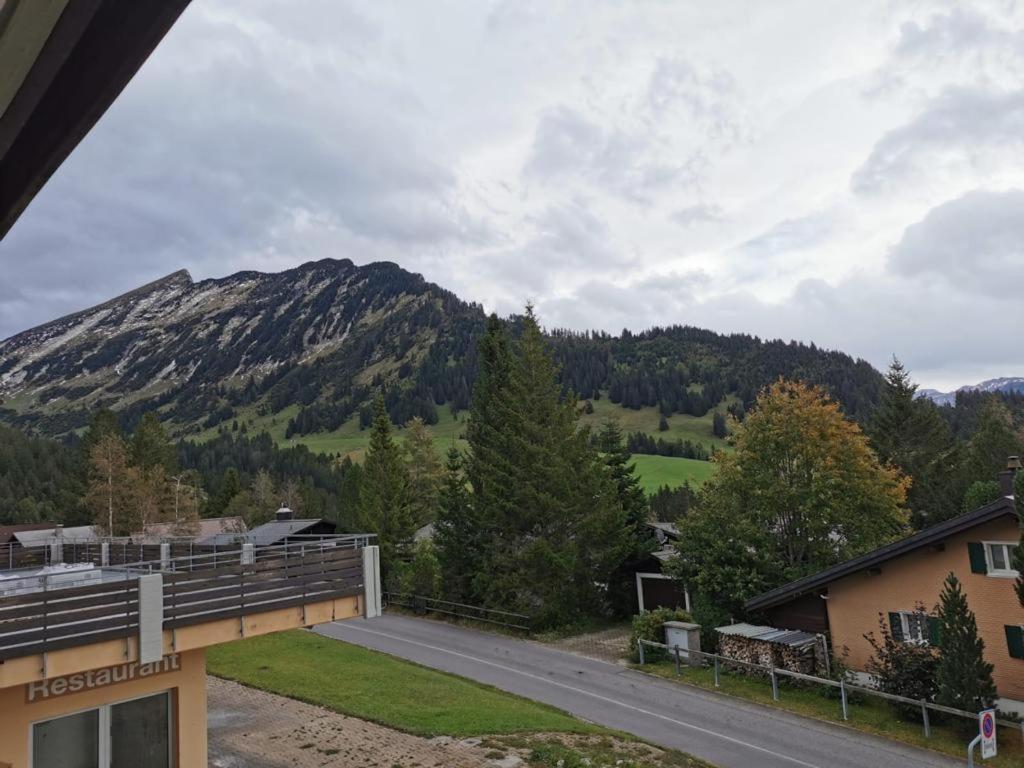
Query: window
[
  {"x": 999, "y": 558},
  {"x": 123, "y": 735},
  {"x": 915, "y": 627}
]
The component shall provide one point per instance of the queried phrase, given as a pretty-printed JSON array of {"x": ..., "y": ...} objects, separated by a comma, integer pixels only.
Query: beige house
[
  {"x": 106, "y": 665},
  {"x": 900, "y": 584}
]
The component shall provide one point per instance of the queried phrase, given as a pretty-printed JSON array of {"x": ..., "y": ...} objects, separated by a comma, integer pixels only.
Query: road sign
[{"x": 987, "y": 729}]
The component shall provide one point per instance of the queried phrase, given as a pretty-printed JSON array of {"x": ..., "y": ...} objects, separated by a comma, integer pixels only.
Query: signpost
[{"x": 987, "y": 730}]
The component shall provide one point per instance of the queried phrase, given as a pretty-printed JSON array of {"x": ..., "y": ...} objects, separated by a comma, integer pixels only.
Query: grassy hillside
[{"x": 654, "y": 471}]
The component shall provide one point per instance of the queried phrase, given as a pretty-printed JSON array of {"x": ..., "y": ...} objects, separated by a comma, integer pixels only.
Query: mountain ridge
[
  {"x": 1006, "y": 384},
  {"x": 319, "y": 338}
]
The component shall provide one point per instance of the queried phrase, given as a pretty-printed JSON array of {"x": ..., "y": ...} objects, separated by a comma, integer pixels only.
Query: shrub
[
  {"x": 648, "y": 626},
  {"x": 904, "y": 669}
]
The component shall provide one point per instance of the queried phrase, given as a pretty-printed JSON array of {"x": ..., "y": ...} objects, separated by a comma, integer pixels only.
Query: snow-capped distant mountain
[{"x": 1004, "y": 384}]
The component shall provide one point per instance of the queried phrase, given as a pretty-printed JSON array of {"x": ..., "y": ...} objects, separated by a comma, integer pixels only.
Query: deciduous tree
[{"x": 801, "y": 491}]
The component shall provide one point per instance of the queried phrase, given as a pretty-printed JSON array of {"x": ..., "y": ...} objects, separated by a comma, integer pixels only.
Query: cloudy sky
[{"x": 848, "y": 173}]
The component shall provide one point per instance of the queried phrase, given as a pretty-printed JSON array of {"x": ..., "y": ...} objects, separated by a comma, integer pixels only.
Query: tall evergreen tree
[
  {"x": 963, "y": 676},
  {"x": 909, "y": 433},
  {"x": 150, "y": 446},
  {"x": 558, "y": 524},
  {"x": 424, "y": 471},
  {"x": 995, "y": 438},
  {"x": 637, "y": 536},
  {"x": 459, "y": 537},
  {"x": 384, "y": 497}
]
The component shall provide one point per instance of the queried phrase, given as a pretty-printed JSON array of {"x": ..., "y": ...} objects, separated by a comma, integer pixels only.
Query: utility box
[{"x": 686, "y": 637}]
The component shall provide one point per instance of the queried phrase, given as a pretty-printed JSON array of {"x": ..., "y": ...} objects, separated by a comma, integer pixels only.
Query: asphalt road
[{"x": 727, "y": 732}]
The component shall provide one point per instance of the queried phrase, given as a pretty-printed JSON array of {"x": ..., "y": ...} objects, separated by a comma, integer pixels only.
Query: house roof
[
  {"x": 205, "y": 527},
  {"x": 932, "y": 535},
  {"x": 7, "y": 531},
  {"x": 42, "y": 537},
  {"x": 62, "y": 64},
  {"x": 266, "y": 534}
]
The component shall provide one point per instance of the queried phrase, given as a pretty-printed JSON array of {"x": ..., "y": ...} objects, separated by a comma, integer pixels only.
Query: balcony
[{"x": 83, "y": 600}]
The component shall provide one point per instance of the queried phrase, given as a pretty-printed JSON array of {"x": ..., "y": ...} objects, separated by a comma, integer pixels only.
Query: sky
[{"x": 844, "y": 173}]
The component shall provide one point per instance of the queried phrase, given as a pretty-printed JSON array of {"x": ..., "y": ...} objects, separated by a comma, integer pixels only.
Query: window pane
[
  {"x": 139, "y": 733},
  {"x": 999, "y": 562},
  {"x": 67, "y": 742}
]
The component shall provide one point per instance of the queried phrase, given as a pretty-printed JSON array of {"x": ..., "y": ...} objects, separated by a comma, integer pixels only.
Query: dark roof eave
[{"x": 931, "y": 535}]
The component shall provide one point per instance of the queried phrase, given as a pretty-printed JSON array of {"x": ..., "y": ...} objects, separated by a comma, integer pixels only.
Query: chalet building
[
  {"x": 105, "y": 665},
  {"x": 655, "y": 588},
  {"x": 894, "y": 581}
]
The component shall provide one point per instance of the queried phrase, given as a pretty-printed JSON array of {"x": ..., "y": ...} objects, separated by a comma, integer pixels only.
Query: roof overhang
[
  {"x": 929, "y": 536},
  {"x": 62, "y": 64}
]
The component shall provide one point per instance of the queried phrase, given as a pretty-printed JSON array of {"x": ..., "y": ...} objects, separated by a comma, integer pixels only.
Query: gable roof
[
  {"x": 269, "y": 533},
  {"x": 932, "y": 535}
]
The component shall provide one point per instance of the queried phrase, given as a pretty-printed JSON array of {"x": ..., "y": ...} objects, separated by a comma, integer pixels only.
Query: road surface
[{"x": 727, "y": 732}]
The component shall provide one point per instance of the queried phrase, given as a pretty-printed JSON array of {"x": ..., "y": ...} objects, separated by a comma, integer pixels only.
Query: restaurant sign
[{"x": 99, "y": 678}]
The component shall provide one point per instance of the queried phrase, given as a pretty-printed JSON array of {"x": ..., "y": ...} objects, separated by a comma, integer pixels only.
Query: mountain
[
  {"x": 1009, "y": 384},
  {"x": 309, "y": 345}
]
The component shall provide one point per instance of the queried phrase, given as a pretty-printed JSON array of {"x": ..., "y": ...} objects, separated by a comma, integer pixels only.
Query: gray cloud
[
  {"x": 625, "y": 164},
  {"x": 960, "y": 127},
  {"x": 975, "y": 242}
]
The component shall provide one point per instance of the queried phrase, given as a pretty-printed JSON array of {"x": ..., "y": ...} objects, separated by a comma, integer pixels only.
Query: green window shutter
[
  {"x": 896, "y": 627},
  {"x": 1015, "y": 641},
  {"x": 934, "y": 632},
  {"x": 976, "y": 550}
]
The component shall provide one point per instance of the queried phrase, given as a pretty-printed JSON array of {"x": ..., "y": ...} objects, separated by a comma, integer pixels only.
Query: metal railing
[
  {"x": 421, "y": 604},
  {"x": 719, "y": 662},
  {"x": 41, "y": 614}
]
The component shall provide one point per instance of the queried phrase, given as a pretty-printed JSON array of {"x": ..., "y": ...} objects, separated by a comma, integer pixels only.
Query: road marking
[{"x": 574, "y": 689}]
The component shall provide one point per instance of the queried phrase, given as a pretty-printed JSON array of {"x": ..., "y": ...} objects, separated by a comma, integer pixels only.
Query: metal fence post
[
  {"x": 775, "y": 685},
  {"x": 677, "y": 660},
  {"x": 640, "y": 648},
  {"x": 924, "y": 718},
  {"x": 842, "y": 695},
  {"x": 716, "y": 671}
]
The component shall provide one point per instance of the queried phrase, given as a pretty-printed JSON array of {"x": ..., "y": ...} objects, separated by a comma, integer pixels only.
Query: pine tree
[
  {"x": 557, "y": 524},
  {"x": 384, "y": 497},
  {"x": 636, "y": 534},
  {"x": 963, "y": 677},
  {"x": 908, "y": 432},
  {"x": 424, "y": 472},
  {"x": 458, "y": 535},
  {"x": 150, "y": 447}
]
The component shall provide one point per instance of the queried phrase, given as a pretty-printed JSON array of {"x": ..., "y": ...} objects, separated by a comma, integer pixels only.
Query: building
[
  {"x": 281, "y": 530},
  {"x": 106, "y": 664},
  {"x": 901, "y": 583},
  {"x": 655, "y": 588}
]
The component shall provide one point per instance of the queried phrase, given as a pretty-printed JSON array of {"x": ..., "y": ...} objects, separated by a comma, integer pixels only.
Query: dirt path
[{"x": 253, "y": 729}]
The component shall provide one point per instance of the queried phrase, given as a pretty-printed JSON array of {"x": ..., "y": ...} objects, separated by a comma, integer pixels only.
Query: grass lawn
[
  {"x": 383, "y": 689},
  {"x": 872, "y": 715},
  {"x": 680, "y": 426},
  {"x": 656, "y": 471}
]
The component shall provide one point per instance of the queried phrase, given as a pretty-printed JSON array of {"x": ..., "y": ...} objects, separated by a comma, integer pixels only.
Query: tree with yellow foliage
[{"x": 802, "y": 490}]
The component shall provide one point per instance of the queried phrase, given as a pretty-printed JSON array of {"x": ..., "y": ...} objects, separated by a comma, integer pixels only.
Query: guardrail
[
  {"x": 41, "y": 616},
  {"x": 718, "y": 661},
  {"x": 422, "y": 604}
]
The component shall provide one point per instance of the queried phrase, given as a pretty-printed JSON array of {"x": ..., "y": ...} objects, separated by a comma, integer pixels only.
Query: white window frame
[
  {"x": 1000, "y": 573},
  {"x": 641, "y": 575},
  {"x": 104, "y": 727},
  {"x": 905, "y": 626}
]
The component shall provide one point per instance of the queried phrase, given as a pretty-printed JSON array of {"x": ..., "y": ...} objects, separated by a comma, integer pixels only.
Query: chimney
[
  {"x": 284, "y": 513},
  {"x": 1007, "y": 476}
]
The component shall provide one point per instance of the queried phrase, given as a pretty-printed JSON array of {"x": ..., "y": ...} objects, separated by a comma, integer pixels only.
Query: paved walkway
[{"x": 727, "y": 732}]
